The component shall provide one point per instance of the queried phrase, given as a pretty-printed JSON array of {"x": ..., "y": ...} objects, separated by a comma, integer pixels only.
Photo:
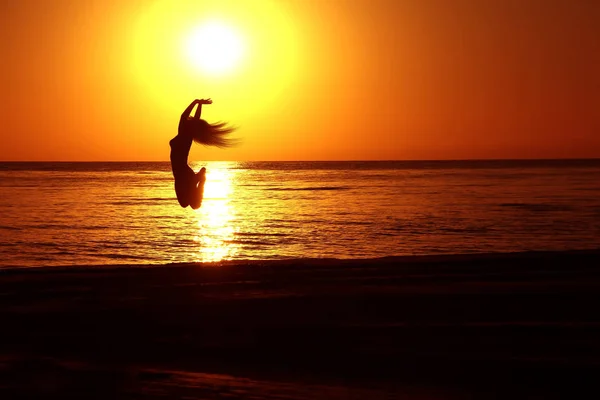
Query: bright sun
[{"x": 215, "y": 48}]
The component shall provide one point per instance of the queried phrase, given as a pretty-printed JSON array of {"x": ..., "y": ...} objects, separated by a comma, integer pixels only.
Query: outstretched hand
[{"x": 204, "y": 101}]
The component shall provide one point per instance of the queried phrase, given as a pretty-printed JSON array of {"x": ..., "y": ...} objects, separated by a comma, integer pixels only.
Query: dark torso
[{"x": 180, "y": 149}]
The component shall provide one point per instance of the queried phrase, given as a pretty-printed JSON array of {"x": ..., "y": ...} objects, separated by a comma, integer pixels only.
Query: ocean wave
[
  {"x": 92, "y": 227},
  {"x": 475, "y": 230},
  {"x": 159, "y": 198},
  {"x": 10, "y": 228},
  {"x": 411, "y": 229},
  {"x": 41, "y": 257},
  {"x": 346, "y": 222},
  {"x": 63, "y": 253},
  {"x": 315, "y": 188},
  {"x": 142, "y": 201},
  {"x": 48, "y": 226},
  {"x": 124, "y": 256},
  {"x": 260, "y": 234},
  {"x": 537, "y": 206},
  {"x": 45, "y": 244},
  {"x": 248, "y": 242}
]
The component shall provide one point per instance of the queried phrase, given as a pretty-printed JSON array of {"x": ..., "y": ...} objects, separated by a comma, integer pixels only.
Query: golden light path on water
[{"x": 216, "y": 218}]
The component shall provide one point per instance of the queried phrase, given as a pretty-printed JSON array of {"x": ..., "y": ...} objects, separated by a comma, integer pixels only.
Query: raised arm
[{"x": 188, "y": 110}]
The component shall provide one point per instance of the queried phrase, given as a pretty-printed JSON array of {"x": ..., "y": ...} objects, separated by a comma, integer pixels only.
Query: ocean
[{"x": 107, "y": 213}]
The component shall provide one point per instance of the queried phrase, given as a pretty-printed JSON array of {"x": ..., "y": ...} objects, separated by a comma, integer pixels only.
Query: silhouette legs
[{"x": 198, "y": 192}]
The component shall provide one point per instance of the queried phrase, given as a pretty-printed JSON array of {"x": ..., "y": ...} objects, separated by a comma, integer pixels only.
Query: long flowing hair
[{"x": 215, "y": 134}]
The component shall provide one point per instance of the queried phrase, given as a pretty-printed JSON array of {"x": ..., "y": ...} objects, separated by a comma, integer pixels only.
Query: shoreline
[
  {"x": 483, "y": 325},
  {"x": 307, "y": 262}
]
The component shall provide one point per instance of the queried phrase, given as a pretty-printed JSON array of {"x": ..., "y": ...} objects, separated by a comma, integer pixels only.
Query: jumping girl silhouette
[{"x": 189, "y": 186}]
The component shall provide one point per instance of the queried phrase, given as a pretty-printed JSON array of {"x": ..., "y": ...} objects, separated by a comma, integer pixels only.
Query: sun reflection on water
[{"x": 216, "y": 217}]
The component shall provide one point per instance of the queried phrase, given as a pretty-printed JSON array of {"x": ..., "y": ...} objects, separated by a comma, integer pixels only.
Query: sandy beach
[{"x": 479, "y": 326}]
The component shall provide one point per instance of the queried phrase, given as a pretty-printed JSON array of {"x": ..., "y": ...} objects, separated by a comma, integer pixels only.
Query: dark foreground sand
[{"x": 489, "y": 326}]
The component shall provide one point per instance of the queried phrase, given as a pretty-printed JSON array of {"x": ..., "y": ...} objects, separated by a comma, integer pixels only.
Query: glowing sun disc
[{"x": 215, "y": 48}]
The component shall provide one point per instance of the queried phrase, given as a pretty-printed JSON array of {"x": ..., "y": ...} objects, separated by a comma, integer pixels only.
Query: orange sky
[{"x": 319, "y": 80}]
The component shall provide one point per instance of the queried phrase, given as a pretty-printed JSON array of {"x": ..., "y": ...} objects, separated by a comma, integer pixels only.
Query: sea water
[{"x": 60, "y": 214}]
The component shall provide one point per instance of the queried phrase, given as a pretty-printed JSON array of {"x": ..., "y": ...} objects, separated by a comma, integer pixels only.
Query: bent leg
[
  {"x": 198, "y": 192},
  {"x": 185, "y": 186},
  {"x": 182, "y": 192},
  {"x": 183, "y": 203}
]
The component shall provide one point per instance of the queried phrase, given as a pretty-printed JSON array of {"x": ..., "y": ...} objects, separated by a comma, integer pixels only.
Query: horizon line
[{"x": 348, "y": 160}]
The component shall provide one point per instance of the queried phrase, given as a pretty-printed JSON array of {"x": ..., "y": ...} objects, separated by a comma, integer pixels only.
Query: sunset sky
[{"x": 303, "y": 79}]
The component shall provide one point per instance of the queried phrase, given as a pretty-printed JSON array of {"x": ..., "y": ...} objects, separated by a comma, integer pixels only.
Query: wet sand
[{"x": 483, "y": 326}]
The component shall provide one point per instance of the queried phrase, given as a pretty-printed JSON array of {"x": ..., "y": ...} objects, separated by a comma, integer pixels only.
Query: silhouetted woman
[{"x": 189, "y": 186}]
